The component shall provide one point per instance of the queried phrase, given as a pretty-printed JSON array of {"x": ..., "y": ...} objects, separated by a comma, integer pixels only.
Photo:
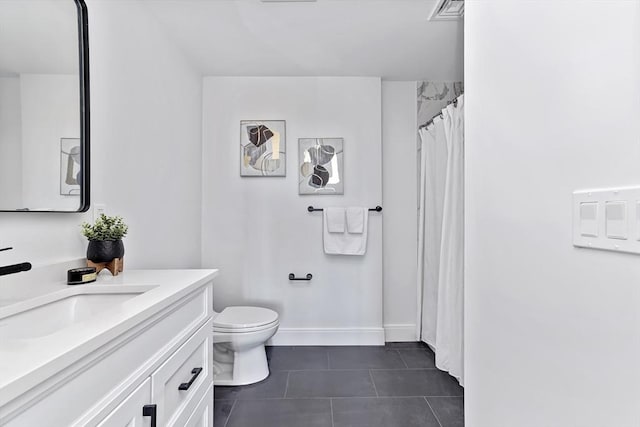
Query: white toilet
[{"x": 239, "y": 335}]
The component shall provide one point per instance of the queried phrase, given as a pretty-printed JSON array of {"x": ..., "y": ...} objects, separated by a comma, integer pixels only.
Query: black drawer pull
[
  {"x": 150, "y": 411},
  {"x": 293, "y": 277},
  {"x": 195, "y": 372}
]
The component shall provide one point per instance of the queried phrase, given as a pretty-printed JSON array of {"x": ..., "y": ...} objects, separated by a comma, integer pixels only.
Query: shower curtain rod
[{"x": 455, "y": 104}]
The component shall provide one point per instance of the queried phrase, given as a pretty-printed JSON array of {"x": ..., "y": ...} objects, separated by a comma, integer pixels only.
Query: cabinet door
[
  {"x": 179, "y": 384},
  {"x": 129, "y": 412},
  {"x": 203, "y": 414}
]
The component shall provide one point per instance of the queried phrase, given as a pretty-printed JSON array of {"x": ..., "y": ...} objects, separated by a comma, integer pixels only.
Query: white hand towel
[
  {"x": 355, "y": 220},
  {"x": 344, "y": 243},
  {"x": 334, "y": 219}
]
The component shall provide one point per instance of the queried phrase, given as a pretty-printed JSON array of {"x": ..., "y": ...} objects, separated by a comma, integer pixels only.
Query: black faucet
[{"x": 14, "y": 268}]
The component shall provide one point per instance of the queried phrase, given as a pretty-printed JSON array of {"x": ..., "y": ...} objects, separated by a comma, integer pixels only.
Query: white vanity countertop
[{"x": 24, "y": 363}]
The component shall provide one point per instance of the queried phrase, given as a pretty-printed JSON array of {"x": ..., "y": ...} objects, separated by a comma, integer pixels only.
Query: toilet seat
[
  {"x": 244, "y": 319},
  {"x": 221, "y": 330}
]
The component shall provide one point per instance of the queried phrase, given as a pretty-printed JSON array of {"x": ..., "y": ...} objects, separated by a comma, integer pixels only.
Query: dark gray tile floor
[{"x": 396, "y": 385}]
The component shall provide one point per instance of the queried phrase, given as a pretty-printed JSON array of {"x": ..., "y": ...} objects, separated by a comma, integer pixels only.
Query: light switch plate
[
  {"x": 98, "y": 209},
  {"x": 607, "y": 219}
]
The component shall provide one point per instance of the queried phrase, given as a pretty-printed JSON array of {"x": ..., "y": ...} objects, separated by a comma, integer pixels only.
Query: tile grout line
[
  {"x": 357, "y": 369},
  {"x": 286, "y": 385},
  {"x": 374, "y": 383},
  {"x": 230, "y": 412},
  {"x": 412, "y": 396},
  {"x": 331, "y": 403},
  {"x": 402, "y": 358},
  {"x": 432, "y": 411}
]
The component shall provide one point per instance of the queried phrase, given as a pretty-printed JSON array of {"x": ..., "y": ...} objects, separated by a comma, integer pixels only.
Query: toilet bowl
[{"x": 239, "y": 335}]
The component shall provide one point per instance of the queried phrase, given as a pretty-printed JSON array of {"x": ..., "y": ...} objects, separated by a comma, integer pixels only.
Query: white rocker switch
[
  {"x": 616, "y": 220},
  {"x": 589, "y": 219},
  {"x": 638, "y": 221}
]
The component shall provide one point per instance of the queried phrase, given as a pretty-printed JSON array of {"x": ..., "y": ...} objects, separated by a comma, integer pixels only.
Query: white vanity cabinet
[
  {"x": 128, "y": 412},
  {"x": 171, "y": 395},
  {"x": 203, "y": 414},
  {"x": 157, "y": 372}
]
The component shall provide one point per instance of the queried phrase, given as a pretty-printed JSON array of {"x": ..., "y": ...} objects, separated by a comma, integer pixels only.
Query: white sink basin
[{"x": 45, "y": 316}]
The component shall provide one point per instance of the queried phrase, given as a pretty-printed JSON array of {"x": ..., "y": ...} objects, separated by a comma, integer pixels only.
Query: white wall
[
  {"x": 258, "y": 230},
  {"x": 146, "y": 130},
  {"x": 10, "y": 143},
  {"x": 49, "y": 112},
  {"x": 399, "y": 193},
  {"x": 552, "y": 105}
]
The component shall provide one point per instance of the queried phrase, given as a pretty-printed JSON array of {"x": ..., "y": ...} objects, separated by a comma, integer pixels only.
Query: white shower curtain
[{"x": 441, "y": 238}]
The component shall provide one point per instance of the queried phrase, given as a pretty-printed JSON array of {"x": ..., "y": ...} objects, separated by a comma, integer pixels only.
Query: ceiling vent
[{"x": 447, "y": 10}]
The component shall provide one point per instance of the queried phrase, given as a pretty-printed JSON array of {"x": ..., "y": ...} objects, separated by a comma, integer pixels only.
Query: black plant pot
[{"x": 104, "y": 250}]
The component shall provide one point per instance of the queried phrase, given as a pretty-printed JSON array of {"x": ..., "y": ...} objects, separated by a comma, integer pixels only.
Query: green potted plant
[{"x": 105, "y": 238}]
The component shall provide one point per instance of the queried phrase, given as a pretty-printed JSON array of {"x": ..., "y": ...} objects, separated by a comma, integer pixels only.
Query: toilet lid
[{"x": 244, "y": 317}]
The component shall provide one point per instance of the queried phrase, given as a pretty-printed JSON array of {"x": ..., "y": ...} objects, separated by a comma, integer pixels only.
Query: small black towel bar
[
  {"x": 293, "y": 277},
  {"x": 312, "y": 209}
]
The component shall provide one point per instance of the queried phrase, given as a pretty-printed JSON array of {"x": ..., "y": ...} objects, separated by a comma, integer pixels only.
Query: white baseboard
[
  {"x": 328, "y": 336},
  {"x": 399, "y": 332}
]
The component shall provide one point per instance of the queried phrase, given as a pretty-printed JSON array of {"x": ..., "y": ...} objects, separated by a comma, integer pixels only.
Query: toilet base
[{"x": 248, "y": 366}]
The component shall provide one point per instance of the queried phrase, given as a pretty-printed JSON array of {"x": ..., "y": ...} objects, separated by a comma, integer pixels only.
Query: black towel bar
[{"x": 312, "y": 209}]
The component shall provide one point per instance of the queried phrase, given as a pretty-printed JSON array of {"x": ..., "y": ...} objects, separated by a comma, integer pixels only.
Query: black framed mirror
[{"x": 44, "y": 106}]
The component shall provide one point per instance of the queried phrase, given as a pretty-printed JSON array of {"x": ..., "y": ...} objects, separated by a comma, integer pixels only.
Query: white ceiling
[
  {"x": 38, "y": 36},
  {"x": 392, "y": 39}
]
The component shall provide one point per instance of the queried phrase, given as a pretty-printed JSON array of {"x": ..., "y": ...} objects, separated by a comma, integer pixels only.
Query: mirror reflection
[{"x": 41, "y": 125}]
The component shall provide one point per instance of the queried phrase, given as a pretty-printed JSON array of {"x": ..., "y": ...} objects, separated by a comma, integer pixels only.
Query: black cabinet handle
[
  {"x": 195, "y": 372},
  {"x": 293, "y": 277},
  {"x": 150, "y": 411}
]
